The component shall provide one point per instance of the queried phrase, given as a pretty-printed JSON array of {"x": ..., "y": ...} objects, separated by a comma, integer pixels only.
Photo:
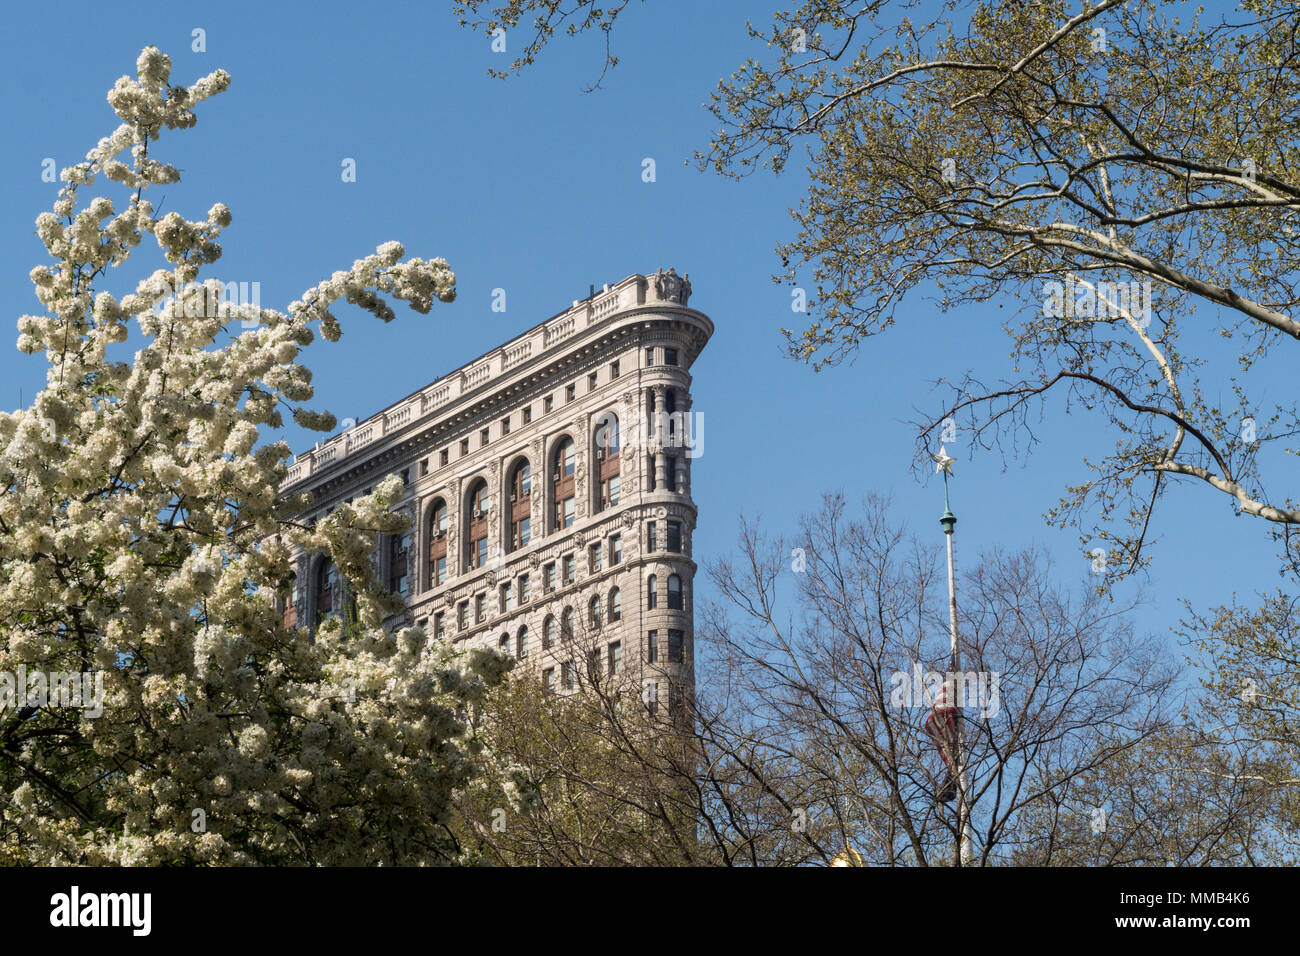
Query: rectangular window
[
  {"x": 670, "y": 356},
  {"x": 444, "y": 456},
  {"x": 616, "y": 549},
  {"x": 652, "y": 647},
  {"x": 608, "y": 487},
  {"x": 462, "y": 616},
  {"x": 528, "y": 414},
  {"x": 615, "y": 658},
  {"x": 480, "y": 608},
  {"x": 566, "y": 513},
  {"x": 566, "y": 563},
  {"x": 651, "y": 544},
  {"x": 397, "y": 551},
  {"x": 481, "y": 554},
  {"x": 570, "y": 392},
  {"x": 593, "y": 558},
  {"x": 674, "y": 536},
  {"x": 548, "y": 403},
  {"x": 483, "y": 437},
  {"x": 649, "y": 356},
  {"x": 439, "y": 625},
  {"x": 424, "y": 467},
  {"x": 593, "y": 665},
  {"x": 505, "y": 426},
  {"x": 675, "y": 641},
  {"x": 440, "y": 570},
  {"x": 507, "y": 600},
  {"x": 464, "y": 447},
  {"x": 548, "y": 677},
  {"x": 525, "y": 593},
  {"x": 670, "y": 473},
  {"x": 548, "y": 578},
  {"x": 566, "y": 675},
  {"x": 591, "y": 382},
  {"x": 613, "y": 369}
]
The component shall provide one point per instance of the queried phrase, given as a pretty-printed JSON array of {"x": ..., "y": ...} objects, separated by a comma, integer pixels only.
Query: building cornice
[{"x": 633, "y": 306}]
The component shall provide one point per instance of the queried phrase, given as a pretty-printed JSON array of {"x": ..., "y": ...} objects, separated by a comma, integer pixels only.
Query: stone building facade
[{"x": 549, "y": 490}]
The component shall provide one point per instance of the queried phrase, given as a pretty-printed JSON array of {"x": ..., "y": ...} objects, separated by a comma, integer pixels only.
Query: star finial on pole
[{"x": 943, "y": 462}]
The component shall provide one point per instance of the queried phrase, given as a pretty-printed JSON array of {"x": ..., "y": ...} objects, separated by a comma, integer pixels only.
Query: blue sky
[{"x": 535, "y": 187}]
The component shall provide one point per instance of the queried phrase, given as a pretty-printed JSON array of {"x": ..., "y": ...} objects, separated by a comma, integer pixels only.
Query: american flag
[{"x": 941, "y": 722}]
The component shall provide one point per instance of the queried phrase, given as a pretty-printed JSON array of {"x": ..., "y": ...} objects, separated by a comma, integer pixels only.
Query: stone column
[
  {"x": 660, "y": 465},
  {"x": 418, "y": 557},
  {"x": 684, "y": 459},
  {"x": 305, "y": 584}
]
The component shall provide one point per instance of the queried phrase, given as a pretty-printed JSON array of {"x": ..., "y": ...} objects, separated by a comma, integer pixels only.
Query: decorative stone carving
[
  {"x": 668, "y": 286},
  {"x": 303, "y": 579},
  {"x": 537, "y": 494}
]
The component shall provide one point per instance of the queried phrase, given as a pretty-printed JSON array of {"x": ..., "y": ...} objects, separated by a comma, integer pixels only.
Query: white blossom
[{"x": 143, "y": 538}]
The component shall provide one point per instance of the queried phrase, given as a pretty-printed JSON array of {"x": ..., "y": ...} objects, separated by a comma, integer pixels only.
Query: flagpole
[{"x": 948, "y": 521}]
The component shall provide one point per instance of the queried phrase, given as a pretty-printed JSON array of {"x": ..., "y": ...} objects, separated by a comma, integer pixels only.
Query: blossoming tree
[{"x": 143, "y": 539}]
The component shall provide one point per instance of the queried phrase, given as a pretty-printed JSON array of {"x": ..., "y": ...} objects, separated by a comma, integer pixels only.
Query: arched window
[
  {"x": 398, "y": 548},
  {"x": 521, "y": 485},
  {"x": 675, "y": 593},
  {"x": 615, "y": 605},
  {"x": 438, "y": 543},
  {"x": 607, "y": 434},
  {"x": 607, "y": 461},
  {"x": 548, "y": 633},
  {"x": 651, "y": 592},
  {"x": 521, "y": 643},
  {"x": 566, "y": 624},
  {"x": 476, "y": 526},
  {"x": 562, "y": 483},
  {"x": 289, "y": 611},
  {"x": 503, "y": 644},
  {"x": 329, "y": 596},
  {"x": 594, "y": 613}
]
